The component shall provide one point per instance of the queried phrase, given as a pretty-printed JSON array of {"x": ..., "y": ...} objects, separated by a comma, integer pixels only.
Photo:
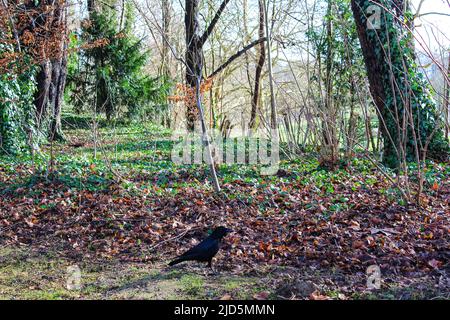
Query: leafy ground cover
[{"x": 307, "y": 232}]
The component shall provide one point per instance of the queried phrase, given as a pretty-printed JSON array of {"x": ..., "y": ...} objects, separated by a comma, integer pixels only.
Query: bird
[{"x": 205, "y": 250}]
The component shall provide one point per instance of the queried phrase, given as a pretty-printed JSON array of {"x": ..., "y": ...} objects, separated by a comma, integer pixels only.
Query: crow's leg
[{"x": 211, "y": 267}]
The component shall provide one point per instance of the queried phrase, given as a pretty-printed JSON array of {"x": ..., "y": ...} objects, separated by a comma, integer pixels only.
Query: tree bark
[
  {"x": 410, "y": 126},
  {"x": 166, "y": 21},
  {"x": 194, "y": 53},
  {"x": 51, "y": 77},
  {"x": 58, "y": 83},
  {"x": 446, "y": 99},
  {"x": 259, "y": 67},
  {"x": 194, "y": 59},
  {"x": 273, "y": 105},
  {"x": 329, "y": 114},
  {"x": 43, "y": 80}
]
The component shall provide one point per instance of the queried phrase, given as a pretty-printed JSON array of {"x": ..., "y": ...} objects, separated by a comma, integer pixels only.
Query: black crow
[{"x": 205, "y": 250}]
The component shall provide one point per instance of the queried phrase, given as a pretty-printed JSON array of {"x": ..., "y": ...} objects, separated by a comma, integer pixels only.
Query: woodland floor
[{"x": 307, "y": 233}]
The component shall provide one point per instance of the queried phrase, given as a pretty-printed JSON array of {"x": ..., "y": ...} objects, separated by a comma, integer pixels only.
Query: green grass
[
  {"x": 30, "y": 275},
  {"x": 192, "y": 285}
]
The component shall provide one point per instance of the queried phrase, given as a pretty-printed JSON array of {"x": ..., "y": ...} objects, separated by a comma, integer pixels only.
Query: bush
[{"x": 16, "y": 111}]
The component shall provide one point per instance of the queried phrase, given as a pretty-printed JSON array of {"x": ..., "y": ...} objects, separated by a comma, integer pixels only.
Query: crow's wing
[{"x": 204, "y": 250}]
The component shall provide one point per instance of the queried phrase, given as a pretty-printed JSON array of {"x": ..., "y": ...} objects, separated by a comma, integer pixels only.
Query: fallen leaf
[
  {"x": 264, "y": 295},
  {"x": 435, "y": 186},
  {"x": 317, "y": 296},
  {"x": 434, "y": 263}
]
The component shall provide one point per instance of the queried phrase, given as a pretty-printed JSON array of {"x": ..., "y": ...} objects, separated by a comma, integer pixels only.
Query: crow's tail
[{"x": 176, "y": 261}]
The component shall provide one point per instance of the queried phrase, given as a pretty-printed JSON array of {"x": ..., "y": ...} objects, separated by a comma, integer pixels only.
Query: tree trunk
[
  {"x": 60, "y": 73},
  {"x": 194, "y": 54},
  {"x": 259, "y": 67},
  {"x": 352, "y": 125},
  {"x": 58, "y": 83},
  {"x": 409, "y": 122},
  {"x": 446, "y": 99},
  {"x": 166, "y": 21},
  {"x": 51, "y": 77},
  {"x": 43, "y": 80},
  {"x": 194, "y": 59},
  {"x": 273, "y": 105},
  {"x": 329, "y": 114}
]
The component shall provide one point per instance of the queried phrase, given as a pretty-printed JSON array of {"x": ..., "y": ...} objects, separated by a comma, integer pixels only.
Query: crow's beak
[{"x": 229, "y": 230}]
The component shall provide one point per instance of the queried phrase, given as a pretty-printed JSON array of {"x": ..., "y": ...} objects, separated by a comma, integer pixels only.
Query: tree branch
[
  {"x": 213, "y": 23},
  {"x": 433, "y": 13},
  {"x": 236, "y": 55}
]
